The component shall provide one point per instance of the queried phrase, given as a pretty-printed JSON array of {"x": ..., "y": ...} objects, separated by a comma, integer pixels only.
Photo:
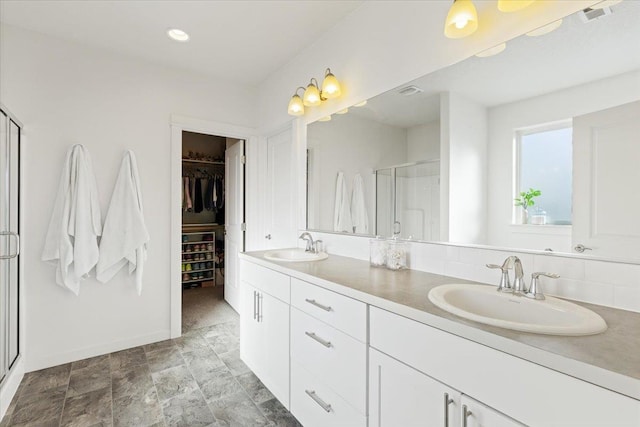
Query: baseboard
[
  {"x": 35, "y": 363},
  {"x": 10, "y": 385}
]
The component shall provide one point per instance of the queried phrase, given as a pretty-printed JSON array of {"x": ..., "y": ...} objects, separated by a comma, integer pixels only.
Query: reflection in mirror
[{"x": 534, "y": 148}]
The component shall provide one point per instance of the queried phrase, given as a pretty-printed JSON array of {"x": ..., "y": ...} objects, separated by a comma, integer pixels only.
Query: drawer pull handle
[
  {"x": 312, "y": 394},
  {"x": 318, "y": 339},
  {"x": 317, "y": 304},
  {"x": 465, "y": 414},
  {"x": 255, "y": 305},
  {"x": 447, "y": 401}
]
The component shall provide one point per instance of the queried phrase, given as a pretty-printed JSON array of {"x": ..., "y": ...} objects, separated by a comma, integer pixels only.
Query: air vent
[
  {"x": 588, "y": 14},
  {"x": 410, "y": 90}
]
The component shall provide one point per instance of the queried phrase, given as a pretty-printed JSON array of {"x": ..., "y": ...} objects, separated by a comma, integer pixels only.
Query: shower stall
[{"x": 10, "y": 134}]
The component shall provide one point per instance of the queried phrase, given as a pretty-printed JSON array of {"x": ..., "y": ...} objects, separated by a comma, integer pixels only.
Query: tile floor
[{"x": 195, "y": 380}]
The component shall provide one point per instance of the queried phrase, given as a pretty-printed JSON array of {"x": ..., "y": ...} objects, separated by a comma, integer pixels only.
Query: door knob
[
  {"x": 268, "y": 237},
  {"x": 580, "y": 248}
]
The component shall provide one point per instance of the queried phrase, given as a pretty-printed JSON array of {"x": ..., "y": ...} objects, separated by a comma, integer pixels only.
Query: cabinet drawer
[
  {"x": 337, "y": 358},
  {"x": 274, "y": 283},
  {"x": 523, "y": 390},
  {"x": 315, "y": 404},
  {"x": 343, "y": 313}
]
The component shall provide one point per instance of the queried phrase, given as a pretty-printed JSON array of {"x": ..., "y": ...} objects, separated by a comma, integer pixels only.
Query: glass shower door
[{"x": 9, "y": 242}]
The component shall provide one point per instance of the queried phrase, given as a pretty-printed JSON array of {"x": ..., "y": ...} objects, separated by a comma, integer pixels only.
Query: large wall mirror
[{"x": 553, "y": 121}]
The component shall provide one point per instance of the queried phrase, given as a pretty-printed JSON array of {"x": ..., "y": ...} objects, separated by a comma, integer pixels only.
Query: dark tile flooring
[{"x": 195, "y": 380}]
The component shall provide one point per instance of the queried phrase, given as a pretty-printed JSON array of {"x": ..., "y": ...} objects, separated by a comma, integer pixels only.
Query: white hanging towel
[
  {"x": 359, "y": 216},
  {"x": 342, "y": 210},
  {"x": 125, "y": 237},
  {"x": 72, "y": 238}
]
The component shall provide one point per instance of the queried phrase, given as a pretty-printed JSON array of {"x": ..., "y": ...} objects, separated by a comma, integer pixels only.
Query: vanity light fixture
[
  {"x": 492, "y": 51},
  {"x": 312, "y": 95},
  {"x": 513, "y": 5},
  {"x": 462, "y": 19},
  {"x": 546, "y": 29},
  {"x": 178, "y": 35}
]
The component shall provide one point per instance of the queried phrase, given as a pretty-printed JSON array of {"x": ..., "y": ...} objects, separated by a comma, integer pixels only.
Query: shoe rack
[{"x": 198, "y": 257}]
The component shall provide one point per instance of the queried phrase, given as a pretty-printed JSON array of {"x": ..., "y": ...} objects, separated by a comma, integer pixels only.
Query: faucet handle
[
  {"x": 535, "y": 290},
  {"x": 505, "y": 283}
]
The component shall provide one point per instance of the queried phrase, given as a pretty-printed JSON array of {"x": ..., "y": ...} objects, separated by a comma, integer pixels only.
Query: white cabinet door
[
  {"x": 280, "y": 227},
  {"x": 250, "y": 334},
  {"x": 234, "y": 217},
  {"x": 401, "y": 396},
  {"x": 273, "y": 318},
  {"x": 475, "y": 414},
  {"x": 606, "y": 155}
]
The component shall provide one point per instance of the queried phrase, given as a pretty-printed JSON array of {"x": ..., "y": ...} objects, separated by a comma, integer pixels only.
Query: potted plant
[{"x": 525, "y": 200}]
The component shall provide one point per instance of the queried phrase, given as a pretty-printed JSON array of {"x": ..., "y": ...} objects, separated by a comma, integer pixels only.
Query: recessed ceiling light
[
  {"x": 343, "y": 111},
  {"x": 178, "y": 35},
  {"x": 492, "y": 51},
  {"x": 546, "y": 29},
  {"x": 361, "y": 104}
]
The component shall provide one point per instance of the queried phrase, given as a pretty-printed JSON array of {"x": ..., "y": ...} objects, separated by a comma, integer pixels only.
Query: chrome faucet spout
[{"x": 309, "y": 239}]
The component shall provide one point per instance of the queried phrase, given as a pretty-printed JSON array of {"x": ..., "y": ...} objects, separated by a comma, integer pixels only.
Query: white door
[
  {"x": 234, "y": 221},
  {"x": 9, "y": 242},
  {"x": 401, "y": 396},
  {"x": 280, "y": 227},
  {"x": 606, "y": 155}
]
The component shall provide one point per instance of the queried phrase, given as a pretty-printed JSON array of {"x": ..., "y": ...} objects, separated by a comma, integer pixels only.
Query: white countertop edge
[{"x": 583, "y": 371}]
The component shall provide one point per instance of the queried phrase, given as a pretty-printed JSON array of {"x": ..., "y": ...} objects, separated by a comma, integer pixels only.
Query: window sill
[{"x": 549, "y": 229}]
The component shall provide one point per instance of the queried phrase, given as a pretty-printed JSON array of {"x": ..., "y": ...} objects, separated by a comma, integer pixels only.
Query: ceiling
[
  {"x": 236, "y": 41},
  {"x": 576, "y": 53}
]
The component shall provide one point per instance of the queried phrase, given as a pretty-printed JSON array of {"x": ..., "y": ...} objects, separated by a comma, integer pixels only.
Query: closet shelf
[
  {"x": 197, "y": 252},
  {"x": 205, "y": 162},
  {"x": 204, "y": 279},
  {"x": 195, "y": 243},
  {"x": 197, "y": 261},
  {"x": 197, "y": 233},
  {"x": 198, "y": 271}
]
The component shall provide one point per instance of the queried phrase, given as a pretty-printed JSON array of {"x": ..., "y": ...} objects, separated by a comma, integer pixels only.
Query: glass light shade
[
  {"x": 296, "y": 107},
  {"x": 330, "y": 87},
  {"x": 462, "y": 20},
  {"x": 546, "y": 29},
  {"x": 492, "y": 51},
  {"x": 513, "y": 5},
  {"x": 311, "y": 96}
]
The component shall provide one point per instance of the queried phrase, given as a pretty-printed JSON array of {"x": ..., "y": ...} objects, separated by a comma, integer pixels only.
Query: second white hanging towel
[
  {"x": 124, "y": 237},
  {"x": 359, "y": 216},
  {"x": 342, "y": 210}
]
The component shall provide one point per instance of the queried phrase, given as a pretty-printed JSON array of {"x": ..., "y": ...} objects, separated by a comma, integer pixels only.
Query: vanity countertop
[{"x": 610, "y": 359}]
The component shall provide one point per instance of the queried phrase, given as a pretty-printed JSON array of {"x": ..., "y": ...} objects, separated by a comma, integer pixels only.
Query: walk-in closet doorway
[{"x": 208, "y": 223}]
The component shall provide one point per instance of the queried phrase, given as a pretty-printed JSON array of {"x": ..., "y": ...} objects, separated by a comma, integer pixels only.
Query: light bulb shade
[
  {"x": 311, "y": 96},
  {"x": 462, "y": 20},
  {"x": 513, "y": 5},
  {"x": 296, "y": 107},
  {"x": 330, "y": 86}
]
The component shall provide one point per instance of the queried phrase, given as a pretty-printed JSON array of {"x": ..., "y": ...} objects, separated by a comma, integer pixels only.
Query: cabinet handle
[
  {"x": 318, "y": 339},
  {"x": 317, "y": 304},
  {"x": 260, "y": 297},
  {"x": 447, "y": 402},
  {"x": 17, "y": 238},
  {"x": 255, "y": 306},
  {"x": 312, "y": 394},
  {"x": 465, "y": 414}
]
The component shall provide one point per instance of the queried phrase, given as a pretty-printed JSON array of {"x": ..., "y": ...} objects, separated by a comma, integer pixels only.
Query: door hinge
[
  {"x": 243, "y": 226},
  {"x": 243, "y": 159}
]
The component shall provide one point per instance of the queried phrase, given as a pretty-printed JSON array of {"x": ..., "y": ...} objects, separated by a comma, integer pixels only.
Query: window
[{"x": 544, "y": 162}]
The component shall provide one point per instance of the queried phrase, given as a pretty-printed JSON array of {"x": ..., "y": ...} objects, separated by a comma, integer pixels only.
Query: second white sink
[
  {"x": 294, "y": 255},
  {"x": 484, "y": 304}
]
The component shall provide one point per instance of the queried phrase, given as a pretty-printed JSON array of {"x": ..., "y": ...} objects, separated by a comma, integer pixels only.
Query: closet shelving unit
[
  {"x": 204, "y": 162},
  {"x": 193, "y": 235}
]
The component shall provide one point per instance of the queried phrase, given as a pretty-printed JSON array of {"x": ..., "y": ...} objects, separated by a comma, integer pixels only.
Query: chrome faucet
[
  {"x": 310, "y": 244},
  {"x": 535, "y": 290},
  {"x": 518, "y": 286}
]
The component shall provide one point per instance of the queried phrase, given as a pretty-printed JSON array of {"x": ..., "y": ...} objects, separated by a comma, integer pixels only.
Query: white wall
[
  {"x": 505, "y": 119},
  {"x": 423, "y": 142},
  {"x": 351, "y": 145},
  {"x": 66, "y": 93},
  {"x": 464, "y": 144}
]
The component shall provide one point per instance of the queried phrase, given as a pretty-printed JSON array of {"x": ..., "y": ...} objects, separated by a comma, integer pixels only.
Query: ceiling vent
[
  {"x": 409, "y": 90},
  {"x": 588, "y": 14}
]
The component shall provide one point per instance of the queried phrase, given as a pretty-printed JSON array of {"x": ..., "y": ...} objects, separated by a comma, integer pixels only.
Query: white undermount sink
[
  {"x": 484, "y": 304},
  {"x": 294, "y": 255}
]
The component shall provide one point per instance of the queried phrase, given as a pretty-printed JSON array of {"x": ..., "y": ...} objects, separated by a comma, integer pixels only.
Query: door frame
[{"x": 178, "y": 124}]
